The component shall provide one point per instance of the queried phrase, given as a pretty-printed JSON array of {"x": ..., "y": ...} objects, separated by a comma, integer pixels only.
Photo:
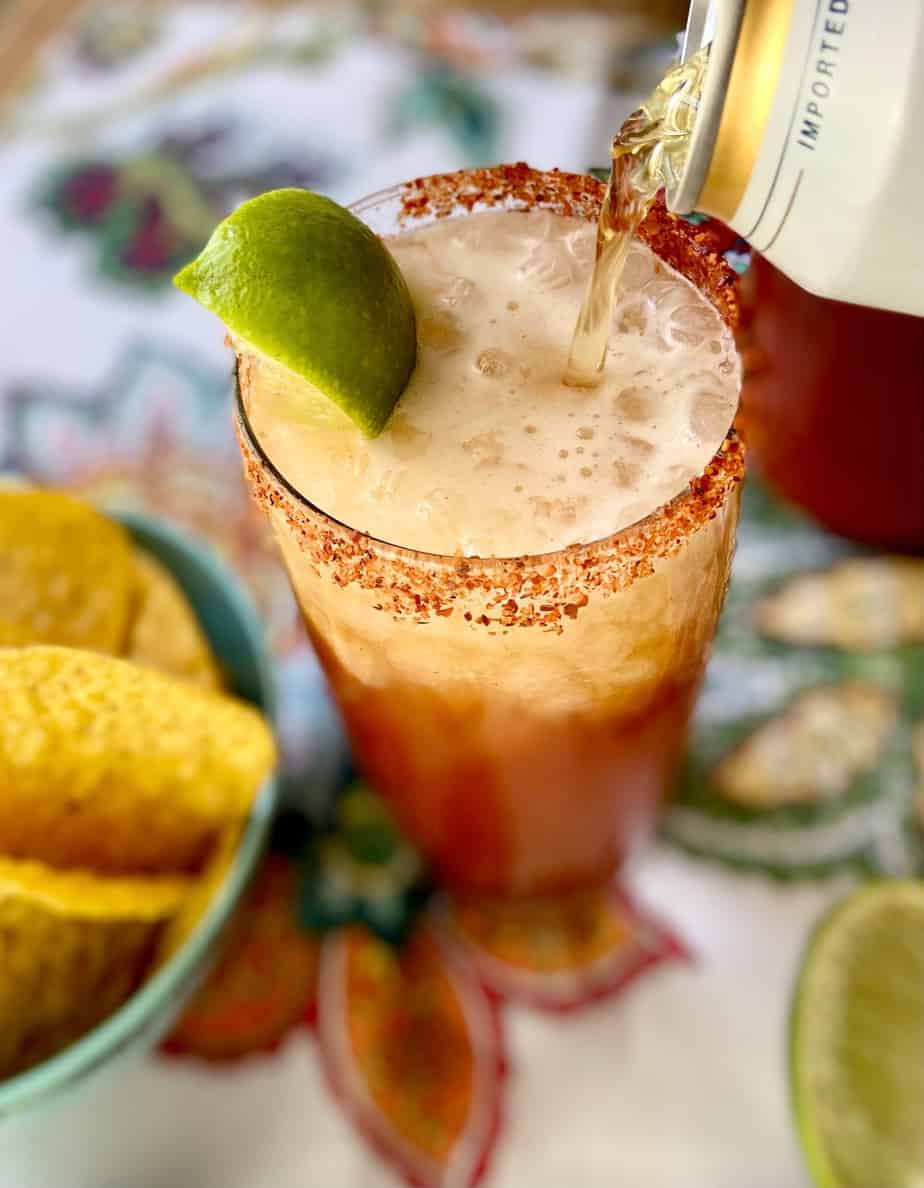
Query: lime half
[
  {"x": 857, "y": 1041},
  {"x": 302, "y": 280}
]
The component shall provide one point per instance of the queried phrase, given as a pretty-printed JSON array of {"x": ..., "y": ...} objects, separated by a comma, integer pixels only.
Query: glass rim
[{"x": 723, "y": 470}]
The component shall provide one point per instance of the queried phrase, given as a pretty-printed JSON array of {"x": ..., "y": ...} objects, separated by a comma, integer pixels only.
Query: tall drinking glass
[{"x": 523, "y": 716}]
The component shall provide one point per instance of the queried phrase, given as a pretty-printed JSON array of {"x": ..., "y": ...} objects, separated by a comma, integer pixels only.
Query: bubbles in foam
[
  {"x": 635, "y": 457},
  {"x": 457, "y": 290},
  {"x": 388, "y": 488},
  {"x": 637, "y": 270},
  {"x": 709, "y": 414},
  {"x": 635, "y": 404},
  {"x": 682, "y": 325},
  {"x": 636, "y": 448},
  {"x": 407, "y": 440},
  {"x": 435, "y": 509},
  {"x": 581, "y": 247},
  {"x": 651, "y": 304},
  {"x": 561, "y": 511},
  {"x": 494, "y": 362},
  {"x": 552, "y": 261},
  {"x": 626, "y": 473},
  {"x": 464, "y": 237},
  {"x": 517, "y": 236},
  {"x": 547, "y": 268},
  {"x": 634, "y": 315},
  {"x": 526, "y": 464},
  {"x": 690, "y": 325},
  {"x": 440, "y": 332},
  {"x": 486, "y": 448},
  {"x": 676, "y": 476}
]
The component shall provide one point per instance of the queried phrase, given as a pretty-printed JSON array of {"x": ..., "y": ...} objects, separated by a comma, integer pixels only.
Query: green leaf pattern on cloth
[{"x": 801, "y": 759}]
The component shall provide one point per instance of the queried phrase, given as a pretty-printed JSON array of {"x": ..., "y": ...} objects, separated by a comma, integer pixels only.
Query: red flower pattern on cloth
[
  {"x": 558, "y": 953},
  {"x": 265, "y": 982},
  {"x": 413, "y": 1050},
  {"x": 412, "y": 1038}
]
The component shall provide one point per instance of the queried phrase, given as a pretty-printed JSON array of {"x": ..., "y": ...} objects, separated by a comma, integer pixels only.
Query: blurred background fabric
[
  {"x": 128, "y": 130},
  {"x": 635, "y": 1039}
]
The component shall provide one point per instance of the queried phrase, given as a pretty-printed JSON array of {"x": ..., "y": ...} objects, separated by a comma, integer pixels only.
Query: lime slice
[
  {"x": 857, "y": 1039},
  {"x": 302, "y": 280}
]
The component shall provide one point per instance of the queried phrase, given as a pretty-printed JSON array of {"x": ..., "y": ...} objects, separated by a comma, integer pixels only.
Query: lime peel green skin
[
  {"x": 310, "y": 285},
  {"x": 814, "y": 1145}
]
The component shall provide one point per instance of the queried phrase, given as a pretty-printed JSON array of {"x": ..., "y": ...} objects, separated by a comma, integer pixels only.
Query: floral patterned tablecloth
[{"x": 635, "y": 1038}]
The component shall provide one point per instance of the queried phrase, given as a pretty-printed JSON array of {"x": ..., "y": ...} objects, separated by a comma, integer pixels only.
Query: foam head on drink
[{"x": 489, "y": 452}]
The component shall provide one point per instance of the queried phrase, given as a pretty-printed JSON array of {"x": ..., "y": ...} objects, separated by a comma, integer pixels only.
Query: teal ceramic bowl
[{"x": 235, "y": 633}]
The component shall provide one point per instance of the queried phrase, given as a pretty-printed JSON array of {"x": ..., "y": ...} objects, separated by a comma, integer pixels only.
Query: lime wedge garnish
[
  {"x": 857, "y": 1041},
  {"x": 305, "y": 282}
]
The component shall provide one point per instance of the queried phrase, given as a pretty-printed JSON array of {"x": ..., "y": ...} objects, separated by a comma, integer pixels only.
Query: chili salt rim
[
  {"x": 534, "y": 590},
  {"x": 544, "y": 589},
  {"x": 577, "y": 195}
]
